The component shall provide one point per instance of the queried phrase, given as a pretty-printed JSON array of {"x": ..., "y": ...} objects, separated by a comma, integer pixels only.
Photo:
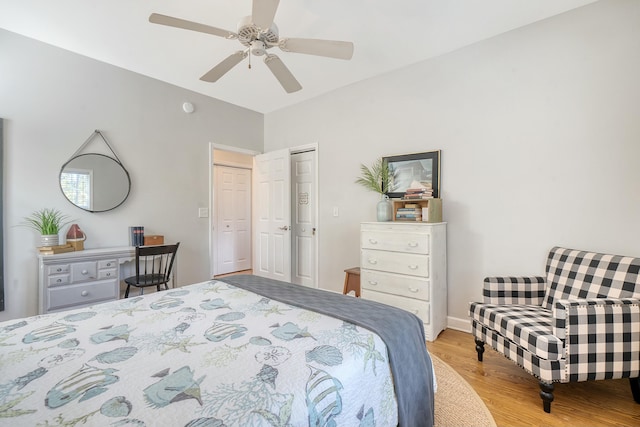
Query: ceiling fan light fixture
[{"x": 258, "y": 48}]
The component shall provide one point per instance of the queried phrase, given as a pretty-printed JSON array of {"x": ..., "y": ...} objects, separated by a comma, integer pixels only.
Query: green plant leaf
[
  {"x": 376, "y": 178},
  {"x": 46, "y": 221}
]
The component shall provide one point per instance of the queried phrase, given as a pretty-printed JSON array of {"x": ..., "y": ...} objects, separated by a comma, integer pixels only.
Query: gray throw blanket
[{"x": 402, "y": 332}]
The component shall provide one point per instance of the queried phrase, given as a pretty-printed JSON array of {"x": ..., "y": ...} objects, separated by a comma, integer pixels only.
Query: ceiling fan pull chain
[{"x": 249, "y": 58}]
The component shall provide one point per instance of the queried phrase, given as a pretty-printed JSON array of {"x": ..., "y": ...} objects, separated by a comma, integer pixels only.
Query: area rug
[{"x": 456, "y": 403}]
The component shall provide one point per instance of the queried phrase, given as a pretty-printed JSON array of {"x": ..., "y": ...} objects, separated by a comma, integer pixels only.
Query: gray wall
[
  {"x": 540, "y": 141},
  {"x": 52, "y": 100}
]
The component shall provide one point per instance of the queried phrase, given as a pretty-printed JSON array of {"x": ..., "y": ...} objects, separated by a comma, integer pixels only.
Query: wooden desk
[{"x": 352, "y": 281}]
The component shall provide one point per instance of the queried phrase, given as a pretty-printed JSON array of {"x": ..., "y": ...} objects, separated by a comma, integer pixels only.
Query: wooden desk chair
[{"x": 153, "y": 267}]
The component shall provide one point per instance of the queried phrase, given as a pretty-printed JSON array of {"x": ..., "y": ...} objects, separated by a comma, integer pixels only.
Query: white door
[
  {"x": 232, "y": 219},
  {"x": 303, "y": 217},
  {"x": 272, "y": 220}
]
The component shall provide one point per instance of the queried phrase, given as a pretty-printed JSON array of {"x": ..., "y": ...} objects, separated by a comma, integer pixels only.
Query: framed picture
[{"x": 419, "y": 170}]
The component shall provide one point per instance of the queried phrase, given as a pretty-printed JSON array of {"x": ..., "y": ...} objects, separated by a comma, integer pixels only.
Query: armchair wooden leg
[
  {"x": 479, "y": 349},
  {"x": 546, "y": 393},
  {"x": 635, "y": 388}
]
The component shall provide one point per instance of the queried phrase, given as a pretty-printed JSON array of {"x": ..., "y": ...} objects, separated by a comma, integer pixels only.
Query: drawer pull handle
[
  {"x": 373, "y": 241},
  {"x": 372, "y": 261},
  {"x": 373, "y": 282},
  {"x": 58, "y": 269},
  {"x": 108, "y": 274},
  {"x": 108, "y": 264},
  {"x": 414, "y": 290},
  {"x": 85, "y": 272},
  {"x": 413, "y": 267},
  {"x": 59, "y": 280},
  {"x": 84, "y": 293},
  {"x": 415, "y": 312},
  {"x": 413, "y": 244}
]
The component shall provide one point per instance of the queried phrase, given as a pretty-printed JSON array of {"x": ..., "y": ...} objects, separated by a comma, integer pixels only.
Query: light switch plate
[{"x": 203, "y": 213}]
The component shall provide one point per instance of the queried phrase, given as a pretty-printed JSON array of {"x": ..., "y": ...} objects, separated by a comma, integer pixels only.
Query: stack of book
[
  {"x": 409, "y": 214},
  {"x": 58, "y": 249},
  {"x": 136, "y": 236},
  {"x": 418, "y": 194}
]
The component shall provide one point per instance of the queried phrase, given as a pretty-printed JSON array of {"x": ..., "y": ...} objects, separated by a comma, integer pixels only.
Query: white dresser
[
  {"x": 77, "y": 279},
  {"x": 404, "y": 264}
]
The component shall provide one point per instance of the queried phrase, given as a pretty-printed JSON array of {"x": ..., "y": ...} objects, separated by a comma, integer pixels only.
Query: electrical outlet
[{"x": 203, "y": 213}]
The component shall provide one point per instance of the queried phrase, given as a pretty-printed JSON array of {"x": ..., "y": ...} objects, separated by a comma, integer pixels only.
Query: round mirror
[{"x": 95, "y": 182}]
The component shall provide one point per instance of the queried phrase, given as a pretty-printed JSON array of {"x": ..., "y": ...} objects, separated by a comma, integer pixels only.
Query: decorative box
[{"x": 153, "y": 239}]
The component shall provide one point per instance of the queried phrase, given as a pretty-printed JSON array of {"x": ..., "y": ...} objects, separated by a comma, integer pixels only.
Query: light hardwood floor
[{"x": 512, "y": 395}]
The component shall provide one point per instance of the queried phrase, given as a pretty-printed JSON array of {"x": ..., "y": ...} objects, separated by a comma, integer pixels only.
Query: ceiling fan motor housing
[{"x": 252, "y": 37}]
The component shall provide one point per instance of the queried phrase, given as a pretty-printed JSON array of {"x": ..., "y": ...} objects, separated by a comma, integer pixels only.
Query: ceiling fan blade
[
  {"x": 263, "y": 12},
  {"x": 223, "y": 67},
  {"x": 282, "y": 73},
  {"x": 329, "y": 48},
  {"x": 170, "y": 21}
]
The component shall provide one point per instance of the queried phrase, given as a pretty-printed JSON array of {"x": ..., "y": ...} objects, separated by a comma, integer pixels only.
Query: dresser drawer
[
  {"x": 57, "y": 269},
  {"x": 408, "y": 286},
  {"x": 82, "y": 294},
  {"x": 83, "y": 271},
  {"x": 107, "y": 263},
  {"x": 107, "y": 274},
  {"x": 58, "y": 280},
  {"x": 417, "y": 243},
  {"x": 395, "y": 262},
  {"x": 417, "y": 307}
]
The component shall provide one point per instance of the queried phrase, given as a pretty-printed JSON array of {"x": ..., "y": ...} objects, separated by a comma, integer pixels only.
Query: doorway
[
  {"x": 294, "y": 212},
  {"x": 229, "y": 209}
]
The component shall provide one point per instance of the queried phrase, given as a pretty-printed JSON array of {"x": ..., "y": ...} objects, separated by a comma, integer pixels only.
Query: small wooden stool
[{"x": 352, "y": 281}]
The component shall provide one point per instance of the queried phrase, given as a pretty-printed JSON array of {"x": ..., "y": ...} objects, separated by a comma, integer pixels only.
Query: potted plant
[
  {"x": 48, "y": 223},
  {"x": 377, "y": 179}
]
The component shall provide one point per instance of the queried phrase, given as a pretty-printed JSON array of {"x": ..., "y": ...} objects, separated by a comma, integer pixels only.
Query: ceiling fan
[{"x": 258, "y": 33}]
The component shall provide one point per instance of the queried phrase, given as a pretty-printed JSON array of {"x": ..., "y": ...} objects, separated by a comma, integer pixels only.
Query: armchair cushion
[
  {"x": 575, "y": 274},
  {"x": 528, "y": 326}
]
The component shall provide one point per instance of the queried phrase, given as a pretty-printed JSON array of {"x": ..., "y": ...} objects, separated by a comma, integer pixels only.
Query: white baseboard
[{"x": 458, "y": 324}]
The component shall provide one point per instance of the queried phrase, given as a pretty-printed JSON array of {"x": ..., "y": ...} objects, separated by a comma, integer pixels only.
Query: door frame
[
  {"x": 305, "y": 147},
  {"x": 211, "y": 218}
]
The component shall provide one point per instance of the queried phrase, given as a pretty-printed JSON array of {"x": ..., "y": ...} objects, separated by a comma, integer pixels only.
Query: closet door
[{"x": 233, "y": 219}]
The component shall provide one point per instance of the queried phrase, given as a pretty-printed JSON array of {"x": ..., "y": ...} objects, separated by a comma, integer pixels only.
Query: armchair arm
[
  {"x": 602, "y": 337},
  {"x": 514, "y": 290}
]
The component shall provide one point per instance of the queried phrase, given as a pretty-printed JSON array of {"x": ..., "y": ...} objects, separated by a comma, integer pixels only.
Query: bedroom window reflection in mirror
[{"x": 76, "y": 186}]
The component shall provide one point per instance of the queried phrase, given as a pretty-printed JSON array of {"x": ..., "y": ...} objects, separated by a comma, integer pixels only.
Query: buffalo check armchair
[{"x": 581, "y": 322}]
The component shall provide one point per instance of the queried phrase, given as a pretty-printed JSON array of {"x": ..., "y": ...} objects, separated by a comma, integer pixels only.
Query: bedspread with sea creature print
[{"x": 208, "y": 354}]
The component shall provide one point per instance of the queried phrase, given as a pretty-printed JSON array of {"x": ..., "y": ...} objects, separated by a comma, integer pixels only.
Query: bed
[{"x": 241, "y": 351}]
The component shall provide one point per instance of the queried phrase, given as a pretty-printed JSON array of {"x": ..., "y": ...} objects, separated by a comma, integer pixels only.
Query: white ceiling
[{"x": 387, "y": 35}]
